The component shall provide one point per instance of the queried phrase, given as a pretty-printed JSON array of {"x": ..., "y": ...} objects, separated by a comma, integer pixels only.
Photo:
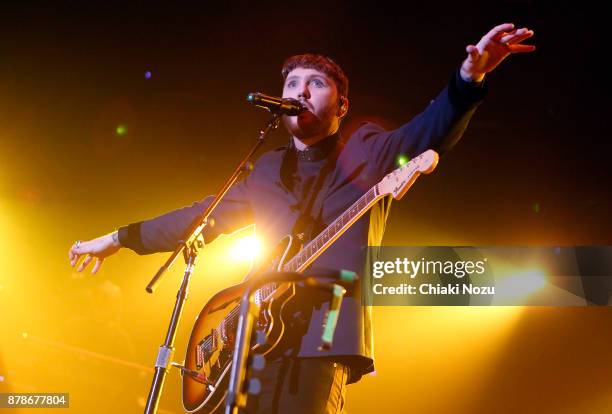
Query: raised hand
[{"x": 492, "y": 49}]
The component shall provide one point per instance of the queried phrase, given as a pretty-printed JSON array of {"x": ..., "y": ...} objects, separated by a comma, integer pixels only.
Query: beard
[{"x": 307, "y": 125}]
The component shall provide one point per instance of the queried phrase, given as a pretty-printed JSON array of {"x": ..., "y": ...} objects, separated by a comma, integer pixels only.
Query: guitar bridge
[{"x": 206, "y": 348}]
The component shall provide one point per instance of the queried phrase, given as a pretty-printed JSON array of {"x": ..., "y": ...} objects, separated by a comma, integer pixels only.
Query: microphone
[{"x": 280, "y": 106}]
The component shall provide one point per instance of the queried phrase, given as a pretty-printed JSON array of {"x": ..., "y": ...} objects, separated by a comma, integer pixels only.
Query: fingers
[
  {"x": 74, "y": 259},
  {"x": 521, "y": 48},
  {"x": 99, "y": 262},
  {"x": 499, "y": 29},
  {"x": 473, "y": 53},
  {"x": 516, "y": 36},
  {"x": 73, "y": 254},
  {"x": 85, "y": 262}
]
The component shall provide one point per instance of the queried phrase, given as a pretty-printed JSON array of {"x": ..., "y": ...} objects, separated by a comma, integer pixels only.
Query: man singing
[{"x": 283, "y": 187}]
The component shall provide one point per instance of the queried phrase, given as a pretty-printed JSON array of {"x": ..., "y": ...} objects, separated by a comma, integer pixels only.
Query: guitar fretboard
[{"x": 332, "y": 232}]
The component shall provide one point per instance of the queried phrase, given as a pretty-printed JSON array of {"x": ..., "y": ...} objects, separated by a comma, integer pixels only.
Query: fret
[
  {"x": 313, "y": 250},
  {"x": 290, "y": 266},
  {"x": 371, "y": 195},
  {"x": 334, "y": 228}
]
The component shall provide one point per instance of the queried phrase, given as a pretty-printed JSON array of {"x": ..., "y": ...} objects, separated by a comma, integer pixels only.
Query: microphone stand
[{"x": 189, "y": 248}]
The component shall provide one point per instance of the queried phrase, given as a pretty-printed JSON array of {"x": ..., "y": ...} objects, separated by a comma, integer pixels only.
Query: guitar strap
[{"x": 312, "y": 206}]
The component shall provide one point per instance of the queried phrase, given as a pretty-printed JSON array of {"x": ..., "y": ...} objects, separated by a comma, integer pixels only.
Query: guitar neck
[
  {"x": 394, "y": 184},
  {"x": 328, "y": 236}
]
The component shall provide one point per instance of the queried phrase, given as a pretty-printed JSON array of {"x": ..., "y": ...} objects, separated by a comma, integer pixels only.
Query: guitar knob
[
  {"x": 254, "y": 387},
  {"x": 260, "y": 337},
  {"x": 258, "y": 362}
]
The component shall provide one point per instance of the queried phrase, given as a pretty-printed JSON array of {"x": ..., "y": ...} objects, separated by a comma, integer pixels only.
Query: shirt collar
[{"x": 318, "y": 151}]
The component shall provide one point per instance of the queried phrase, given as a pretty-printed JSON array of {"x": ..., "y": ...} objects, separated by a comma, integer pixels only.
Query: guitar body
[{"x": 211, "y": 344}]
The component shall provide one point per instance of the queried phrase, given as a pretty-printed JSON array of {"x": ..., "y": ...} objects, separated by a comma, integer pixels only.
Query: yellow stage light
[
  {"x": 246, "y": 248},
  {"x": 520, "y": 285}
]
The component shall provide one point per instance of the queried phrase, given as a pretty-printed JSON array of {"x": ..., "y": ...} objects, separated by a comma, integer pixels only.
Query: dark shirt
[{"x": 270, "y": 197}]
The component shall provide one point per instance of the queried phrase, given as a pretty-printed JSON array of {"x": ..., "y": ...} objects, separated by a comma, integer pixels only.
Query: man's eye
[
  {"x": 318, "y": 83},
  {"x": 291, "y": 84}
]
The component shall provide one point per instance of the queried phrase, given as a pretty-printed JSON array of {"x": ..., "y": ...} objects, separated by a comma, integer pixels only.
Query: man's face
[{"x": 318, "y": 93}]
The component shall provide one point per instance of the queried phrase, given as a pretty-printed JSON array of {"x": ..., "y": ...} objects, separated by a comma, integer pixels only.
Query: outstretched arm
[
  {"x": 163, "y": 233},
  {"x": 443, "y": 122}
]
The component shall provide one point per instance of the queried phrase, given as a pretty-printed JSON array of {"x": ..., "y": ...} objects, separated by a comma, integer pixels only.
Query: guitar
[{"x": 210, "y": 350}]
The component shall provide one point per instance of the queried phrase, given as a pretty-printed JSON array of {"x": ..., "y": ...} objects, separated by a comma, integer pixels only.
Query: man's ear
[{"x": 343, "y": 106}]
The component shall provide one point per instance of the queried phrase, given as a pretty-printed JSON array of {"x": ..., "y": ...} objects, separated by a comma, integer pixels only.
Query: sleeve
[
  {"x": 162, "y": 233},
  {"x": 438, "y": 127}
]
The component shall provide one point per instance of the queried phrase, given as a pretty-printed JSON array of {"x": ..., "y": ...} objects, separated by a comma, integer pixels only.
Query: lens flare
[
  {"x": 121, "y": 130},
  {"x": 401, "y": 160},
  {"x": 520, "y": 285},
  {"x": 246, "y": 248}
]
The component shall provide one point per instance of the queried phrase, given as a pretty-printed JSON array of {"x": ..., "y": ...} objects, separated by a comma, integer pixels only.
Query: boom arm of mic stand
[{"x": 190, "y": 249}]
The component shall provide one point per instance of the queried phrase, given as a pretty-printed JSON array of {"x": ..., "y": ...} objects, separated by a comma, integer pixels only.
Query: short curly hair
[{"x": 321, "y": 63}]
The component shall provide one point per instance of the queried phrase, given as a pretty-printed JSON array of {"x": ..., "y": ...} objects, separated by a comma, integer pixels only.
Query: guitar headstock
[{"x": 400, "y": 180}]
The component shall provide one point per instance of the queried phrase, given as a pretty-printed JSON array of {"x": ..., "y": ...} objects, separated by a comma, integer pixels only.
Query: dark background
[
  {"x": 532, "y": 169},
  {"x": 71, "y": 73}
]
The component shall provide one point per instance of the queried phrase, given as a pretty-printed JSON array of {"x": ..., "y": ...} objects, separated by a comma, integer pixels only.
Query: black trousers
[{"x": 300, "y": 385}]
